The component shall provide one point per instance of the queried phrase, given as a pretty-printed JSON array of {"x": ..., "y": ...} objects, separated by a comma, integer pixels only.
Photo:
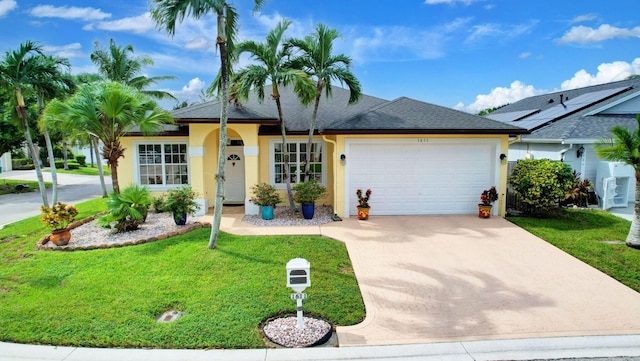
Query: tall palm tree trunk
[
  {"x": 34, "y": 154},
  {"x": 93, "y": 141},
  {"x": 222, "y": 150},
  {"x": 633, "y": 238},
  {"x": 283, "y": 130},
  {"x": 52, "y": 166},
  {"x": 312, "y": 127}
]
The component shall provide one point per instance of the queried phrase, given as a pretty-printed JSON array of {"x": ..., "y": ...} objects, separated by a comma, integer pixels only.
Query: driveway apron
[{"x": 454, "y": 278}]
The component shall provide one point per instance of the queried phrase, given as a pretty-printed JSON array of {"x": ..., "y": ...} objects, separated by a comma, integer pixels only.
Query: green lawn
[
  {"x": 585, "y": 235},
  {"x": 8, "y": 186},
  {"x": 88, "y": 170},
  {"x": 111, "y": 297}
]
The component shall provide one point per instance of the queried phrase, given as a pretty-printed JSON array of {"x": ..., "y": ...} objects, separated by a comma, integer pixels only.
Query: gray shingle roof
[
  {"x": 579, "y": 124},
  {"x": 336, "y": 115},
  {"x": 409, "y": 115}
]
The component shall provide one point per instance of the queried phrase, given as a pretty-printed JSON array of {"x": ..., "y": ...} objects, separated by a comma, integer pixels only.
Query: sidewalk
[{"x": 603, "y": 347}]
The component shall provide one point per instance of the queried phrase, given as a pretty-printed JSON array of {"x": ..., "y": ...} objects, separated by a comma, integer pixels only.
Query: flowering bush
[
  {"x": 59, "y": 216},
  {"x": 181, "y": 201},
  {"x": 308, "y": 192},
  {"x": 264, "y": 194},
  {"x": 363, "y": 201},
  {"x": 489, "y": 196}
]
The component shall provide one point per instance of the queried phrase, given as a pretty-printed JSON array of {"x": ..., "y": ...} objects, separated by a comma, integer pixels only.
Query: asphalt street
[{"x": 72, "y": 188}]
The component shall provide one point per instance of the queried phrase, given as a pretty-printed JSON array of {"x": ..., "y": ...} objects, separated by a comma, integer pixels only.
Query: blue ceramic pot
[
  {"x": 308, "y": 210},
  {"x": 267, "y": 212},
  {"x": 180, "y": 218}
]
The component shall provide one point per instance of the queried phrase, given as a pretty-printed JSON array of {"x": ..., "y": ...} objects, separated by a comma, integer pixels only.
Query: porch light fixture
[
  {"x": 503, "y": 157},
  {"x": 343, "y": 158}
]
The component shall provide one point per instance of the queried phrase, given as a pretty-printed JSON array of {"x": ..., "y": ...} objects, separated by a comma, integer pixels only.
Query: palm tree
[
  {"x": 166, "y": 14},
  {"x": 624, "y": 146},
  {"x": 49, "y": 84},
  {"x": 323, "y": 67},
  {"x": 272, "y": 58},
  {"x": 117, "y": 65},
  {"x": 108, "y": 111},
  {"x": 28, "y": 70}
]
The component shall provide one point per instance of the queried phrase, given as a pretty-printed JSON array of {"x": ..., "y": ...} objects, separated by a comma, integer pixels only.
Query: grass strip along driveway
[
  {"x": 594, "y": 237},
  {"x": 112, "y": 297}
]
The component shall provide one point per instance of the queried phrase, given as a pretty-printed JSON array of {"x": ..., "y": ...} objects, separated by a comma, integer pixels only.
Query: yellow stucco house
[{"x": 417, "y": 158}]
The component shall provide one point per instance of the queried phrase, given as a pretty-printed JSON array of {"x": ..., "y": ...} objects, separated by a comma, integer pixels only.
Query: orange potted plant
[
  {"x": 58, "y": 218},
  {"x": 487, "y": 198},
  {"x": 363, "y": 204}
]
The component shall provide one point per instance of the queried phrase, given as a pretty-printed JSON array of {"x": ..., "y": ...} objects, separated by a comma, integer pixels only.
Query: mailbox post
[{"x": 298, "y": 279}]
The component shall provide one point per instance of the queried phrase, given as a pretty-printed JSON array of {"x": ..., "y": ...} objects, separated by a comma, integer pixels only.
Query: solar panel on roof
[
  {"x": 570, "y": 106},
  {"x": 511, "y": 116}
]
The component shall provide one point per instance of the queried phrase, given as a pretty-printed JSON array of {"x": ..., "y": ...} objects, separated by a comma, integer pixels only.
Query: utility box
[{"x": 298, "y": 277}]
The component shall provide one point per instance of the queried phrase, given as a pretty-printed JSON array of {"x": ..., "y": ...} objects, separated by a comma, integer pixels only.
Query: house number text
[{"x": 423, "y": 140}]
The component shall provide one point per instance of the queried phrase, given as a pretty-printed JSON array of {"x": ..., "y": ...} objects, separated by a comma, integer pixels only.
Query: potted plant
[
  {"x": 306, "y": 194},
  {"x": 487, "y": 198},
  {"x": 363, "y": 204},
  {"x": 58, "y": 218},
  {"x": 266, "y": 196},
  {"x": 181, "y": 201}
]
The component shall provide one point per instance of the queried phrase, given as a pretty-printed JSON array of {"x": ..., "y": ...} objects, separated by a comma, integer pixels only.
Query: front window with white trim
[
  {"x": 162, "y": 164},
  {"x": 297, "y": 152}
]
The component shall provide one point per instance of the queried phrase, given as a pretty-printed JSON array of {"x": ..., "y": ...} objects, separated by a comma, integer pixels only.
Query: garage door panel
[{"x": 421, "y": 178}]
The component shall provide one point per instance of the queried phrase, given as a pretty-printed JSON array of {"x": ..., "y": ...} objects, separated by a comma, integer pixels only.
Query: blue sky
[{"x": 464, "y": 54}]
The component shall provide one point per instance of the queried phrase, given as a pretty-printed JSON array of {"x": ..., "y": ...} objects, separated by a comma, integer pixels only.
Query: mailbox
[{"x": 298, "y": 277}]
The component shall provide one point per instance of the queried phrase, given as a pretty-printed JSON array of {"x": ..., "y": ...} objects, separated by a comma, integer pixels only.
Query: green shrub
[
  {"x": 541, "y": 184},
  {"x": 159, "y": 204},
  {"x": 81, "y": 159},
  {"x": 127, "y": 210},
  {"x": 73, "y": 165},
  {"x": 22, "y": 164}
]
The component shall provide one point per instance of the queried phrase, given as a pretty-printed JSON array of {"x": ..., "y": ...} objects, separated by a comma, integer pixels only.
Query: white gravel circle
[{"x": 283, "y": 331}]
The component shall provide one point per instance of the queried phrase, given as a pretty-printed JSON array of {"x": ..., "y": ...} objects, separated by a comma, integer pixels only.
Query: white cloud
[
  {"x": 500, "y": 31},
  {"x": 66, "y": 12},
  {"x": 585, "y": 17},
  {"x": 401, "y": 43},
  {"x": 189, "y": 93},
  {"x": 585, "y": 35},
  {"x": 524, "y": 55},
  {"x": 6, "y": 6},
  {"x": 200, "y": 43},
  {"x": 73, "y": 50},
  {"x": 136, "y": 24},
  {"x": 500, "y": 96},
  {"x": 607, "y": 72}
]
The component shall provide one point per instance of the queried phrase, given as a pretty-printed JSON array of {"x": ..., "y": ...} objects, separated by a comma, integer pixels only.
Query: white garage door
[{"x": 421, "y": 176}]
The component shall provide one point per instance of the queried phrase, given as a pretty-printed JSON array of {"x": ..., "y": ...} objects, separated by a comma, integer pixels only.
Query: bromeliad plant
[
  {"x": 181, "y": 201},
  {"x": 489, "y": 196},
  {"x": 59, "y": 216},
  {"x": 264, "y": 194},
  {"x": 363, "y": 200}
]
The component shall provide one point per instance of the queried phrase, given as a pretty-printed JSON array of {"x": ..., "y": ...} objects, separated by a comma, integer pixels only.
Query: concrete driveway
[{"x": 459, "y": 278}]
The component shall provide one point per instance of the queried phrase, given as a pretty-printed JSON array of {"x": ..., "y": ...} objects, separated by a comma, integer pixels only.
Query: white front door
[{"x": 234, "y": 175}]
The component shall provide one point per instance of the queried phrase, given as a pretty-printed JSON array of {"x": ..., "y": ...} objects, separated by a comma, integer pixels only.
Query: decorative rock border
[
  {"x": 282, "y": 332},
  {"x": 44, "y": 244}
]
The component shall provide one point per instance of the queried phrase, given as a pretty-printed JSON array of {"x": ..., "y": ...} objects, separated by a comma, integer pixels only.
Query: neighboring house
[
  {"x": 417, "y": 158},
  {"x": 565, "y": 126}
]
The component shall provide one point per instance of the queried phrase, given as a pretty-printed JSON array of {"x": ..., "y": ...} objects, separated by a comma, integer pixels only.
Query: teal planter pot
[
  {"x": 308, "y": 210},
  {"x": 267, "y": 212}
]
